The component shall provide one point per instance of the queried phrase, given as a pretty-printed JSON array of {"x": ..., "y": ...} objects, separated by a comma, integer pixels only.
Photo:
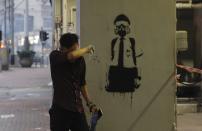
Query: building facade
[{"x": 39, "y": 18}]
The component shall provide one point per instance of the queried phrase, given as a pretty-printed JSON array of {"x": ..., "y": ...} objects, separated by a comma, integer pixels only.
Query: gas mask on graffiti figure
[{"x": 122, "y": 29}]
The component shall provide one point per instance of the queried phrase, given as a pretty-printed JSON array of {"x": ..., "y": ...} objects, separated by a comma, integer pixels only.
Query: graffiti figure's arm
[
  {"x": 112, "y": 48},
  {"x": 132, "y": 40}
]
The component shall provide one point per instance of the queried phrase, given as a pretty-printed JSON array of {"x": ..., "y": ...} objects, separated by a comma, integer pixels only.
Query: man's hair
[
  {"x": 121, "y": 17},
  {"x": 68, "y": 39}
]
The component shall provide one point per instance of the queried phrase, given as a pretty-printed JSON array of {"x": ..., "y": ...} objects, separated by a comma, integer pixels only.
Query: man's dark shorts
[{"x": 63, "y": 120}]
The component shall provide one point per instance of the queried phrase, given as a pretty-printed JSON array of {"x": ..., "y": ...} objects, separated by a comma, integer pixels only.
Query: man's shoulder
[{"x": 54, "y": 52}]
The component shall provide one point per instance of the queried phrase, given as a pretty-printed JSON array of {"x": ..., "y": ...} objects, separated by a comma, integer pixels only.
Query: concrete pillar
[
  {"x": 69, "y": 23},
  {"x": 151, "y": 105},
  {"x": 64, "y": 16},
  {"x": 78, "y": 17},
  {"x": 57, "y": 22}
]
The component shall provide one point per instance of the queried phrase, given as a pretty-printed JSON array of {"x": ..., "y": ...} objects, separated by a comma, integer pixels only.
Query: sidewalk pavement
[
  {"x": 190, "y": 122},
  {"x": 24, "y": 77},
  {"x": 25, "y": 98}
]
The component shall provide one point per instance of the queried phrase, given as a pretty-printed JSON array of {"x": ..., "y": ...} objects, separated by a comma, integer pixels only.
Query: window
[
  {"x": 47, "y": 23},
  {"x": 19, "y": 23}
]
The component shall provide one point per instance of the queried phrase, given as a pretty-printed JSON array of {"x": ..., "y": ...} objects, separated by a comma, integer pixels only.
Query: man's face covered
[{"x": 122, "y": 28}]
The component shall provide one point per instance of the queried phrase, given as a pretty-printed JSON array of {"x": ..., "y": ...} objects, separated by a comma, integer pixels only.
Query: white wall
[{"x": 153, "y": 26}]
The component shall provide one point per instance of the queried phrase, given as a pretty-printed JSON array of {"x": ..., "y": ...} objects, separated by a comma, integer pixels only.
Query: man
[{"x": 68, "y": 71}]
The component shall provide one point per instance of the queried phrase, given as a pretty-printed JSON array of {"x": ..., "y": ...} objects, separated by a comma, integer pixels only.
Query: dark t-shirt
[{"x": 68, "y": 78}]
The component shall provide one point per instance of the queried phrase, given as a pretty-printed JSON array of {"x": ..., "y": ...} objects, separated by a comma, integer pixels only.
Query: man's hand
[
  {"x": 92, "y": 107},
  {"x": 91, "y": 49}
]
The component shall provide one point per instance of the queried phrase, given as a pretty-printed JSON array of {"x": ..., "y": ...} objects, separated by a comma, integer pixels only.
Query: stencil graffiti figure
[{"x": 123, "y": 73}]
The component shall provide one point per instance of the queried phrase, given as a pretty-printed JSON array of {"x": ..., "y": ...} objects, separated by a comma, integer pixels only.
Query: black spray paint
[{"x": 122, "y": 76}]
